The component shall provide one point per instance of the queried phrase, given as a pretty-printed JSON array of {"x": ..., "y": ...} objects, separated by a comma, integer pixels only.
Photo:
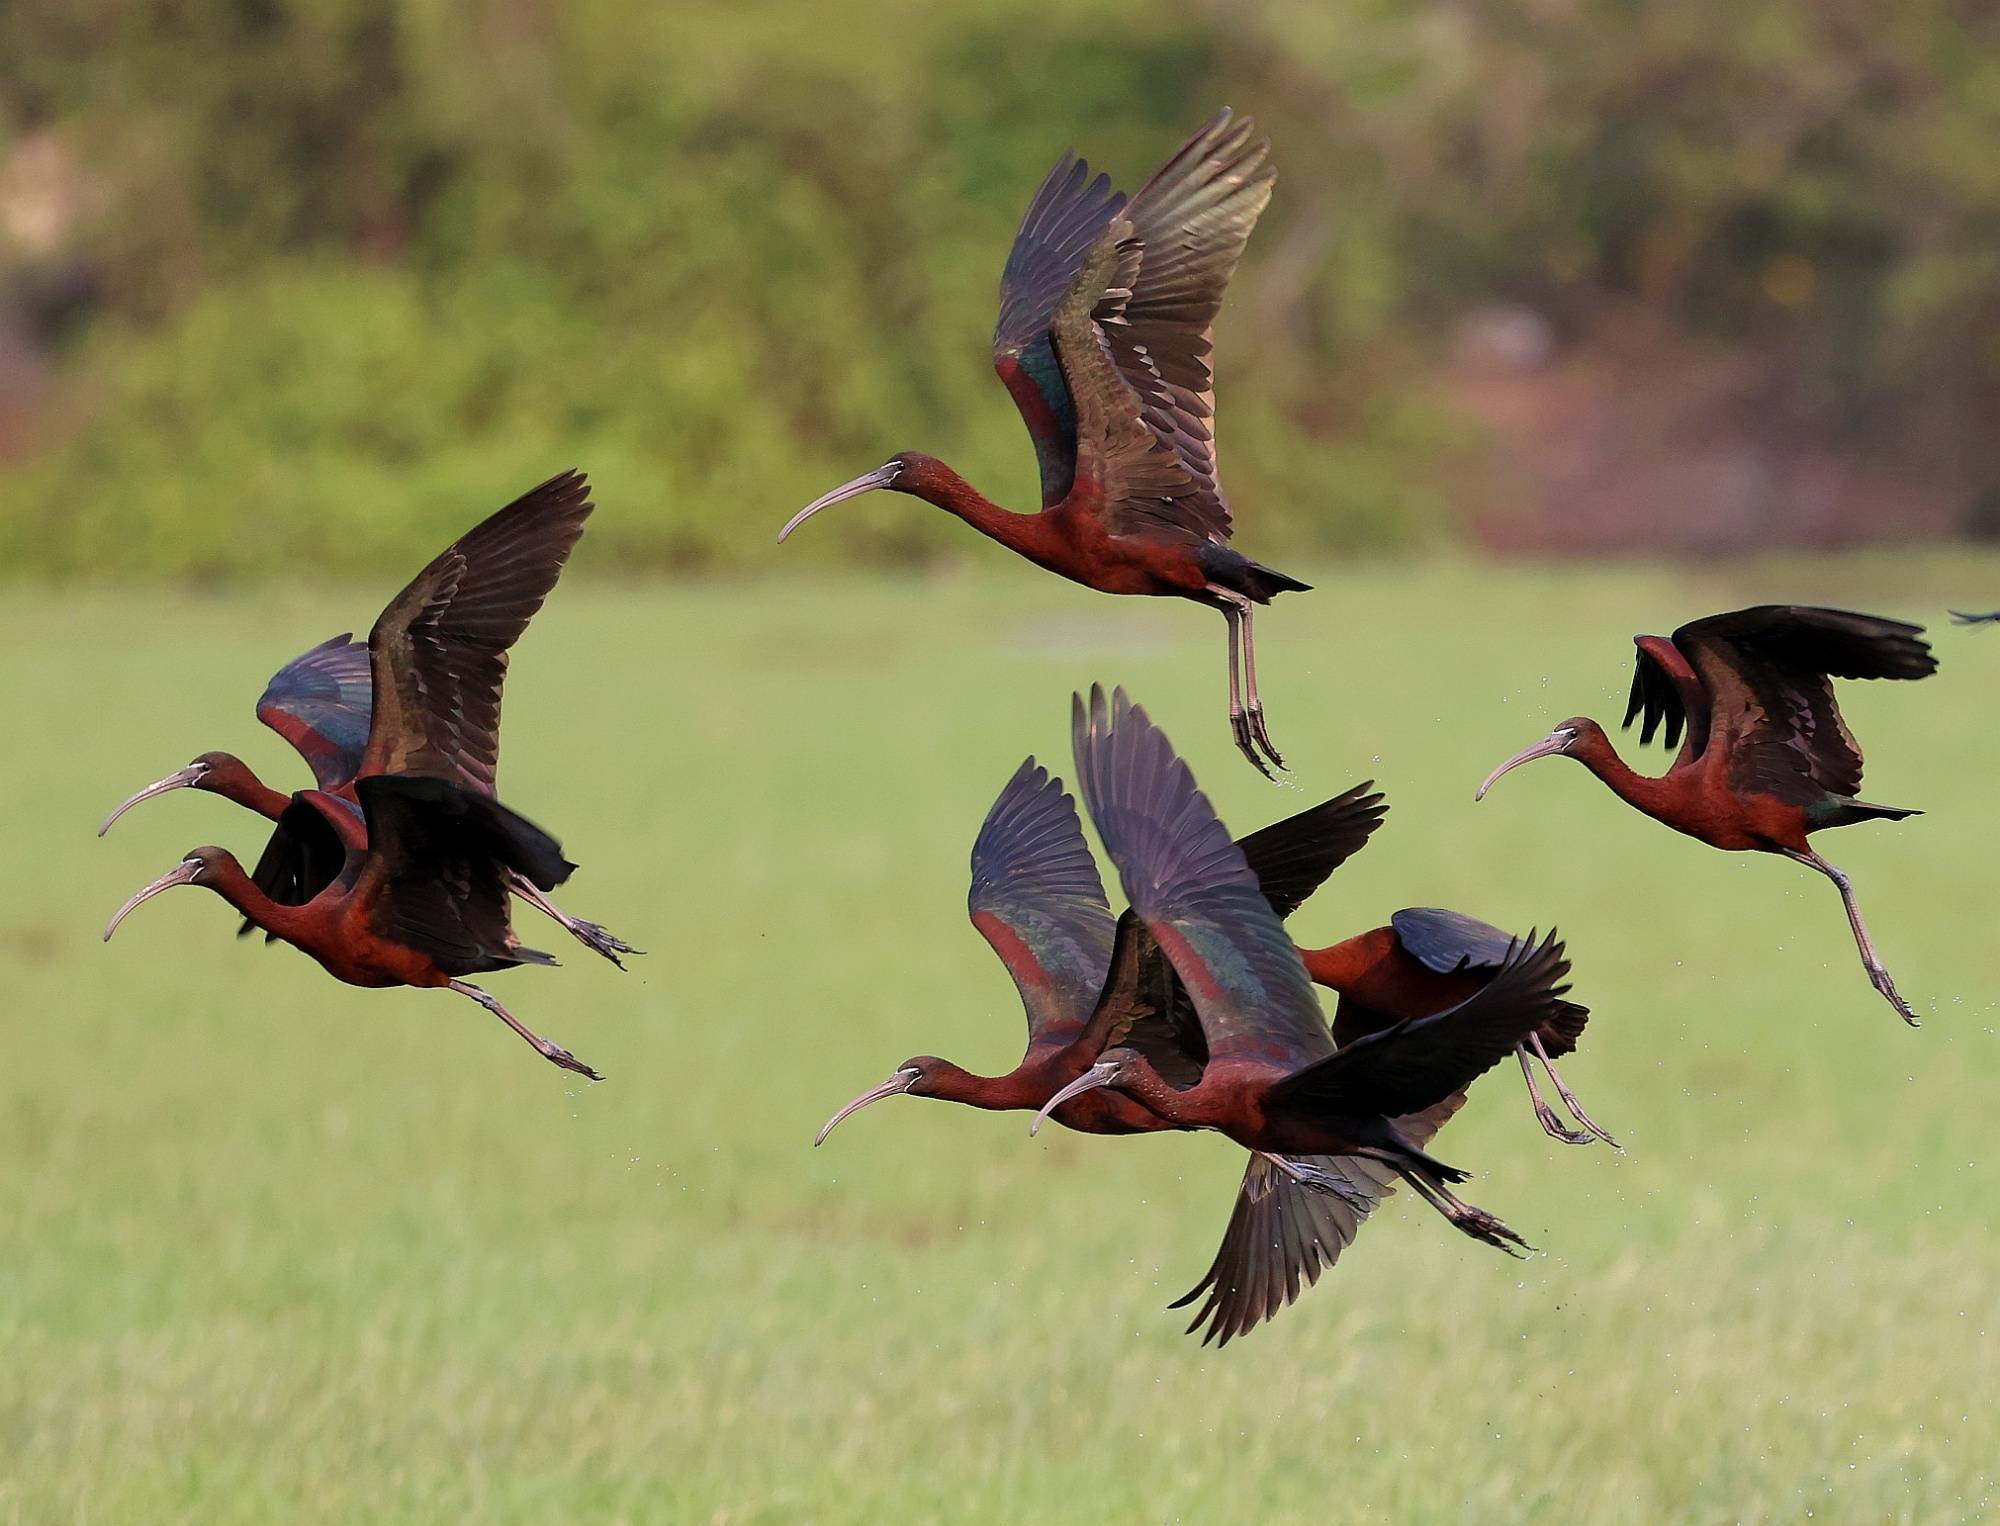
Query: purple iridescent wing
[
  {"x": 320, "y": 703},
  {"x": 1037, "y": 900},
  {"x": 1056, "y": 235},
  {"x": 1194, "y": 890}
]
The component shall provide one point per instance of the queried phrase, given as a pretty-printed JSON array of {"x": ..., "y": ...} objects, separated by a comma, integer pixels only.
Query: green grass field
[{"x": 277, "y": 1249}]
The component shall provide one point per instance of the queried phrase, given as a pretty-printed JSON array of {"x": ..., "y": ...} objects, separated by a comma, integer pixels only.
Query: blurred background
[
  {"x": 286, "y": 282},
  {"x": 292, "y": 294}
]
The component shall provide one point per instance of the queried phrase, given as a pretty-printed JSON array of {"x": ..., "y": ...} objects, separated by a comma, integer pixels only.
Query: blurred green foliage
[{"x": 360, "y": 268}]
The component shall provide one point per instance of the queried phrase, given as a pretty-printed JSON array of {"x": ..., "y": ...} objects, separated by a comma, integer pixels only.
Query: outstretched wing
[
  {"x": 1282, "y": 1235},
  {"x": 1450, "y": 941},
  {"x": 1193, "y": 889},
  {"x": 1037, "y": 900},
  {"x": 439, "y": 651},
  {"x": 1413, "y": 1064},
  {"x": 1769, "y": 671},
  {"x": 1131, "y": 334},
  {"x": 435, "y": 882},
  {"x": 1145, "y": 1006},
  {"x": 1292, "y": 858},
  {"x": 1063, "y": 221},
  {"x": 320, "y": 703},
  {"x": 1191, "y": 220},
  {"x": 1666, "y": 692}
]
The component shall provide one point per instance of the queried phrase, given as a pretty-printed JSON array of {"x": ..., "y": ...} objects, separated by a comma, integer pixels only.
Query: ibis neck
[
  {"x": 994, "y": 1094},
  {"x": 246, "y": 789},
  {"x": 1652, "y": 796},
  {"x": 941, "y": 487},
  {"x": 229, "y": 881}
]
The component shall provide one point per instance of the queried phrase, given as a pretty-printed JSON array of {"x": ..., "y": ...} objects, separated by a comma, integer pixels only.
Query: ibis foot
[
  {"x": 1261, "y": 735},
  {"x": 1319, "y": 1179},
  {"x": 1484, "y": 1227},
  {"x": 1879, "y": 978},
  {"x": 1597, "y": 1130},
  {"x": 1239, "y": 729}
]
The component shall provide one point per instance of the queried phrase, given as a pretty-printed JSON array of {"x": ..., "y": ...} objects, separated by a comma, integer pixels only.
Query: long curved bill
[
  {"x": 179, "y": 779},
  {"x": 1098, "y": 1075},
  {"x": 181, "y": 874},
  {"x": 1547, "y": 747},
  {"x": 883, "y": 476},
  {"x": 895, "y": 1086}
]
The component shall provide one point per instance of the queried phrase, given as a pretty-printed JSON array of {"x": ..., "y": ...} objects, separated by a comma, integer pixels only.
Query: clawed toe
[
  {"x": 555, "y": 1054},
  {"x": 1261, "y": 735},
  {"x": 1239, "y": 729},
  {"x": 1482, "y": 1226},
  {"x": 1555, "y": 1128}
]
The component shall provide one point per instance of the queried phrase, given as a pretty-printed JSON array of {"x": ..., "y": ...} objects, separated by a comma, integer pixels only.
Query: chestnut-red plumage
[
  {"x": 1037, "y": 900},
  {"x": 1107, "y": 311},
  {"x": 398, "y": 871},
  {"x": 1426, "y": 960},
  {"x": 1765, "y": 758},
  {"x": 447, "y": 634},
  {"x": 1267, "y": 1073}
]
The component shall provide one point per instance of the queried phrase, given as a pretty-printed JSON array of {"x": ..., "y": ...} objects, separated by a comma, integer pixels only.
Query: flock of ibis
[{"x": 1192, "y": 1009}]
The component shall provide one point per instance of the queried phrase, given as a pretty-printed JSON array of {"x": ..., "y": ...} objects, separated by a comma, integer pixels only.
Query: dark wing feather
[
  {"x": 1138, "y": 483},
  {"x": 439, "y": 651},
  {"x": 1668, "y": 694},
  {"x": 1281, "y": 1235},
  {"x": 1292, "y": 858},
  {"x": 1062, "y": 222},
  {"x": 1411, "y": 1065},
  {"x": 1769, "y": 671},
  {"x": 1193, "y": 889},
  {"x": 303, "y": 857},
  {"x": 1449, "y": 941},
  {"x": 1144, "y": 1006},
  {"x": 320, "y": 703},
  {"x": 434, "y": 880},
  {"x": 1037, "y": 900},
  {"x": 1191, "y": 221}
]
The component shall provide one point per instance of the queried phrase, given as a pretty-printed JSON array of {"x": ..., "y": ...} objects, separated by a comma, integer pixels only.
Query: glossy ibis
[
  {"x": 1426, "y": 960},
  {"x": 407, "y": 882},
  {"x": 1767, "y": 759},
  {"x": 322, "y": 703},
  {"x": 1107, "y": 307},
  {"x": 1269, "y": 1075},
  {"x": 1037, "y": 900}
]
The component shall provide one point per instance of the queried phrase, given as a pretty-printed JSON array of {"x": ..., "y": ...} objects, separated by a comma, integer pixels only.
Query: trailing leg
[
  {"x": 1467, "y": 1219},
  {"x": 1317, "y": 1178},
  {"x": 555, "y": 1054},
  {"x": 1877, "y": 974},
  {"x": 596, "y": 938},
  {"x": 1252, "y": 702},
  {"x": 1568, "y": 1096},
  {"x": 1544, "y": 1114},
  {"x": 1239, "y": 724}
]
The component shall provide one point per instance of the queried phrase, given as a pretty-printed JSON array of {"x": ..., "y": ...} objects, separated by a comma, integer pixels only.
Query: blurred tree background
[{"x": 285, "y": 280}]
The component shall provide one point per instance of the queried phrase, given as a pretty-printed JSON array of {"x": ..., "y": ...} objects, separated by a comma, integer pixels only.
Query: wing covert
[
  {"x": 320, "y": 702},
  {"x": 1037, "y": 899},
  {"x": 1193, "y": 888},
  {"x": 438, "y": 653}
]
